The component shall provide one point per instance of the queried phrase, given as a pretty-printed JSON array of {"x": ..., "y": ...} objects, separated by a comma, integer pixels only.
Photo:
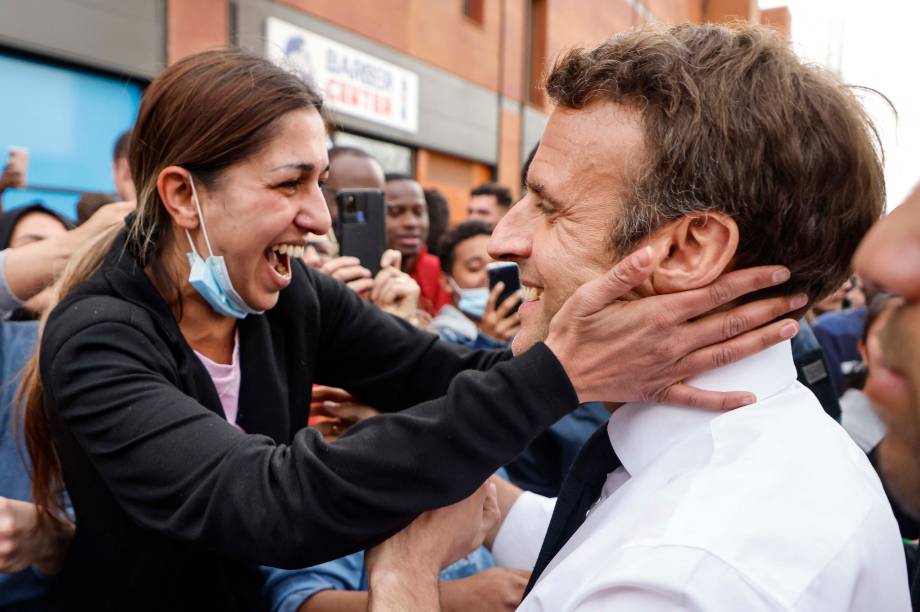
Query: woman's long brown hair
[{"x": 205, "y": 113}]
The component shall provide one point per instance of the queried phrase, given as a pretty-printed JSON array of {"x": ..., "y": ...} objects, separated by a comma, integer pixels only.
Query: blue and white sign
[{"x": 352, "y": 81}]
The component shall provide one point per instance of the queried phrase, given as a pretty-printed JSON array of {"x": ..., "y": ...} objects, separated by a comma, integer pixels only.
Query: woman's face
[{"x": 260, "y": 212}]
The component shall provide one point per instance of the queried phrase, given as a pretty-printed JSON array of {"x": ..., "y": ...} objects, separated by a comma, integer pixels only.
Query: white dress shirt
[{"x": 767, "y": 507}]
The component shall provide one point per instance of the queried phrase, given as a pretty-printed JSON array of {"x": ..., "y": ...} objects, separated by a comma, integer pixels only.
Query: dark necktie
[{"x": 581, "y": 488}]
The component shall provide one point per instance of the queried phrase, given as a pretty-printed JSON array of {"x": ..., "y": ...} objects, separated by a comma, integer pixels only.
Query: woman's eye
[{"x": 289, "y": 186}]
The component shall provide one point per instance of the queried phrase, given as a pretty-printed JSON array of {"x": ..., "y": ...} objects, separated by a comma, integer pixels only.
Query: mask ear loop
[{"x": 204, "y": 228}]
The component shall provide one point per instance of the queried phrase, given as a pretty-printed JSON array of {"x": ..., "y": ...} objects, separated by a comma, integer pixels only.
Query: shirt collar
[{"x": 641, "y": 431}]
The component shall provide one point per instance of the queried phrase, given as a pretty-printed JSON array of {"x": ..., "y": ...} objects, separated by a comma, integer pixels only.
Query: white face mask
[{"x": 210, "y": 277}]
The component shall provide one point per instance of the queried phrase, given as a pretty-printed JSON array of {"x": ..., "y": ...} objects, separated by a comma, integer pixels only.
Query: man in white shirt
[{"x": 717, "y": 149}]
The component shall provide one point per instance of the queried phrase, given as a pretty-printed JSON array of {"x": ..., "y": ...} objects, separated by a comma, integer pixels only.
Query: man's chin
[{"x": 524, "y": 341}]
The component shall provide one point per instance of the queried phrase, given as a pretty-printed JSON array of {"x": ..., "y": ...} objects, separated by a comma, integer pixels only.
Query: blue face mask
[
  {"x": 210, "y": 278},
  {"x": 473, "y": 302}
]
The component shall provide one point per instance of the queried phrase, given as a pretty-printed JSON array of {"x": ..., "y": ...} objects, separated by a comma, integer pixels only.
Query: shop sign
[{"x": 352, "y": 81}]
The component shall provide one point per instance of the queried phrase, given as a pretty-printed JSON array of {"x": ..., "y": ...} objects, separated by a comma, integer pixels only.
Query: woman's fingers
[
  {"x": 723, "y": 326},
  {"x": 682, "y": 394},
  {"x": 730, "y": 351},
  {"x": 602, "y": 291},
  {"x": 728, "y": 288}
]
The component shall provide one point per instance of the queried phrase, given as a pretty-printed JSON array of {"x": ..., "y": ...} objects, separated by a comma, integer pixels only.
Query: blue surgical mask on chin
[
  {"x": 210, "y": 277},
  {"x": 473, "y": 302}
]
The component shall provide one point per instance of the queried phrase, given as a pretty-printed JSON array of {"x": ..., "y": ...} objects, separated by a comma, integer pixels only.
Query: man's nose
[
  {"x": 512, "y": 238},
  {"x": 889, "y": 256}
]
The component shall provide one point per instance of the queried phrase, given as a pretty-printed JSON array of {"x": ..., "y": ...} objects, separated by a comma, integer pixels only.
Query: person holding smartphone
[{"x": 477, "y": 317}]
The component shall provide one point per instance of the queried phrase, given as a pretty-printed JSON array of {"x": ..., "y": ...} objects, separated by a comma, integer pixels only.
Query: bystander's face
[
  {"x": 260, "y": 211},
  {"x": 349, "y": 171},
  {"x": 889, "y": 258},
  {"x": 121, "y": 176},
  {"x": 407, "y": 217},
  {"x": 485, "y": 208},
  {"x": 33, "y": 227},
  {"x": 559, "y": 232},
  {"x": 319, "y": 250},
  {"x": 470, "y": 259}
]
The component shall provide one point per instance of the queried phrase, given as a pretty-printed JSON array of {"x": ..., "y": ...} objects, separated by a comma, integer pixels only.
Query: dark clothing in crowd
[
  {"x": 813, "y": 370},
  {"x": 839, "y": 332},
  {"x": 175, "y": 506},
  {"x": 542, "y": 466}
]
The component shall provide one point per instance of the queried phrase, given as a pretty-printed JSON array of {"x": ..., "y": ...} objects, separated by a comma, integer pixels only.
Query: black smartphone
[
  {"x": 506, "y": 272},
  {"x": 362, "y": 226}
]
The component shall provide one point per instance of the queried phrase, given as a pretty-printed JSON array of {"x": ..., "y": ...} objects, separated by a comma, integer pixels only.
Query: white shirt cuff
[{"x": 521, "y": 534}]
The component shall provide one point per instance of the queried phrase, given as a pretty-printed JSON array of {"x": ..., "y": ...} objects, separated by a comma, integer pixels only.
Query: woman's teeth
[
  {"x": 294, "y": 250},
  {"x": 531, "y": 294}
]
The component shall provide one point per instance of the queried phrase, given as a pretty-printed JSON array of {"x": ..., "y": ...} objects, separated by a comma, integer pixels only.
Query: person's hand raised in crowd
[
  {"x": 107, "y": 216},
  {"x": 499, "y": 322},
  {"x": 333, "y": 411},
  {"x": 12, "y": 176},
  {"x": 496, "y": 589},
  {"x": 403, "y": 571},
  {"x": 394, "y": 291},
  {"x": 23, "y": 545},
  {"x": 350, "y": 271},
  {"x": 621, "y": 351}
]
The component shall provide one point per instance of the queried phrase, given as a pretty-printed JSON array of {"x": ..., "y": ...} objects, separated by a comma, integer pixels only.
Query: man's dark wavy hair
[{"x": 735, "y": 122}]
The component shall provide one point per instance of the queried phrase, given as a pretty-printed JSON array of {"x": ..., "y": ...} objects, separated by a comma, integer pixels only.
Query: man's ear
[
  {"x": 696, "y": 250},
  {"x": 174, "y": 187}
]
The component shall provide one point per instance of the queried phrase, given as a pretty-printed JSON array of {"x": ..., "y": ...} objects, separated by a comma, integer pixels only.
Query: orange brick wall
[
  {"x": 778, "y": 18},
  {"x": 195, "y": 25},
  {"x": 433, "y": 31},
  {"x": 453, "y": 176}
]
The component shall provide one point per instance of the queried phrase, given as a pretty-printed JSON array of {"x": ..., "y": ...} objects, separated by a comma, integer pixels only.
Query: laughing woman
[{"x": 171, "y": 390}]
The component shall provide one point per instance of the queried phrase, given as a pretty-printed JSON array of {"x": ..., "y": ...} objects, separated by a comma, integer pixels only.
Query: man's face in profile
[
  {"x": 559, "y": 233},
  {"x": 889, "y": 258}
]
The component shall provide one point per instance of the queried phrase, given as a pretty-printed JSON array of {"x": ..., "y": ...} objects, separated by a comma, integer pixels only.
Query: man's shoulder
[{"x": 785, "y": 496}]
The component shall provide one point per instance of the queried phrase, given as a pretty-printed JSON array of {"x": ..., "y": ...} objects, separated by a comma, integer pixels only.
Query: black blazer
[{"x": 174, "y": 506}]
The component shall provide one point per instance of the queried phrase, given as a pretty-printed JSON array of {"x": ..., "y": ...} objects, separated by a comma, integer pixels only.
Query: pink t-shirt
[{"x": 226, "y": 377}]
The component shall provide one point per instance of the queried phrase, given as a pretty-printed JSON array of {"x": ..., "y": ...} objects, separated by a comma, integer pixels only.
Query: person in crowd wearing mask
[
  {"x": 407, "y": 232},
  {"x": 174, "y": 375},
  {"x": 488, "y": 203},
  {"x": 38, "y": 244},
  {"x": 767, "y": 507},
  {"x": 121, "y": 169},
  {"x": 889, "y": 260},
  {"x": 474, "y": 319},
  {"x": 438, "y": 218}
]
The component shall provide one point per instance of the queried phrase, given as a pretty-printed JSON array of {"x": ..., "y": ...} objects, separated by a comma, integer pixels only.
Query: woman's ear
[
  {"x": 696, "y": 249},
  {"x": 174, "y": 187}
]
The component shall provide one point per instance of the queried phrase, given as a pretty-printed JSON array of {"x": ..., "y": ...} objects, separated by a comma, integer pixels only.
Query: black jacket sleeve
[
  {"x": 384, "y": 360},
  {"x": 181, "y": 470}
]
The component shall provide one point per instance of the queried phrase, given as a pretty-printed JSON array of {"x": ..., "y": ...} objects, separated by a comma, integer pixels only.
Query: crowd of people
[{"x": 705, "y": 395}]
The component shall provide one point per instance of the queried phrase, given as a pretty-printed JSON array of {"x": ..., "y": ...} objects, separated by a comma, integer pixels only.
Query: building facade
[{"x": 447, "y": 90}]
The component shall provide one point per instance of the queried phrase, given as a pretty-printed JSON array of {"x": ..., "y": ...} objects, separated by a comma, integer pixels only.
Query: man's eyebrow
[{"x": 540, "y": 190}]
